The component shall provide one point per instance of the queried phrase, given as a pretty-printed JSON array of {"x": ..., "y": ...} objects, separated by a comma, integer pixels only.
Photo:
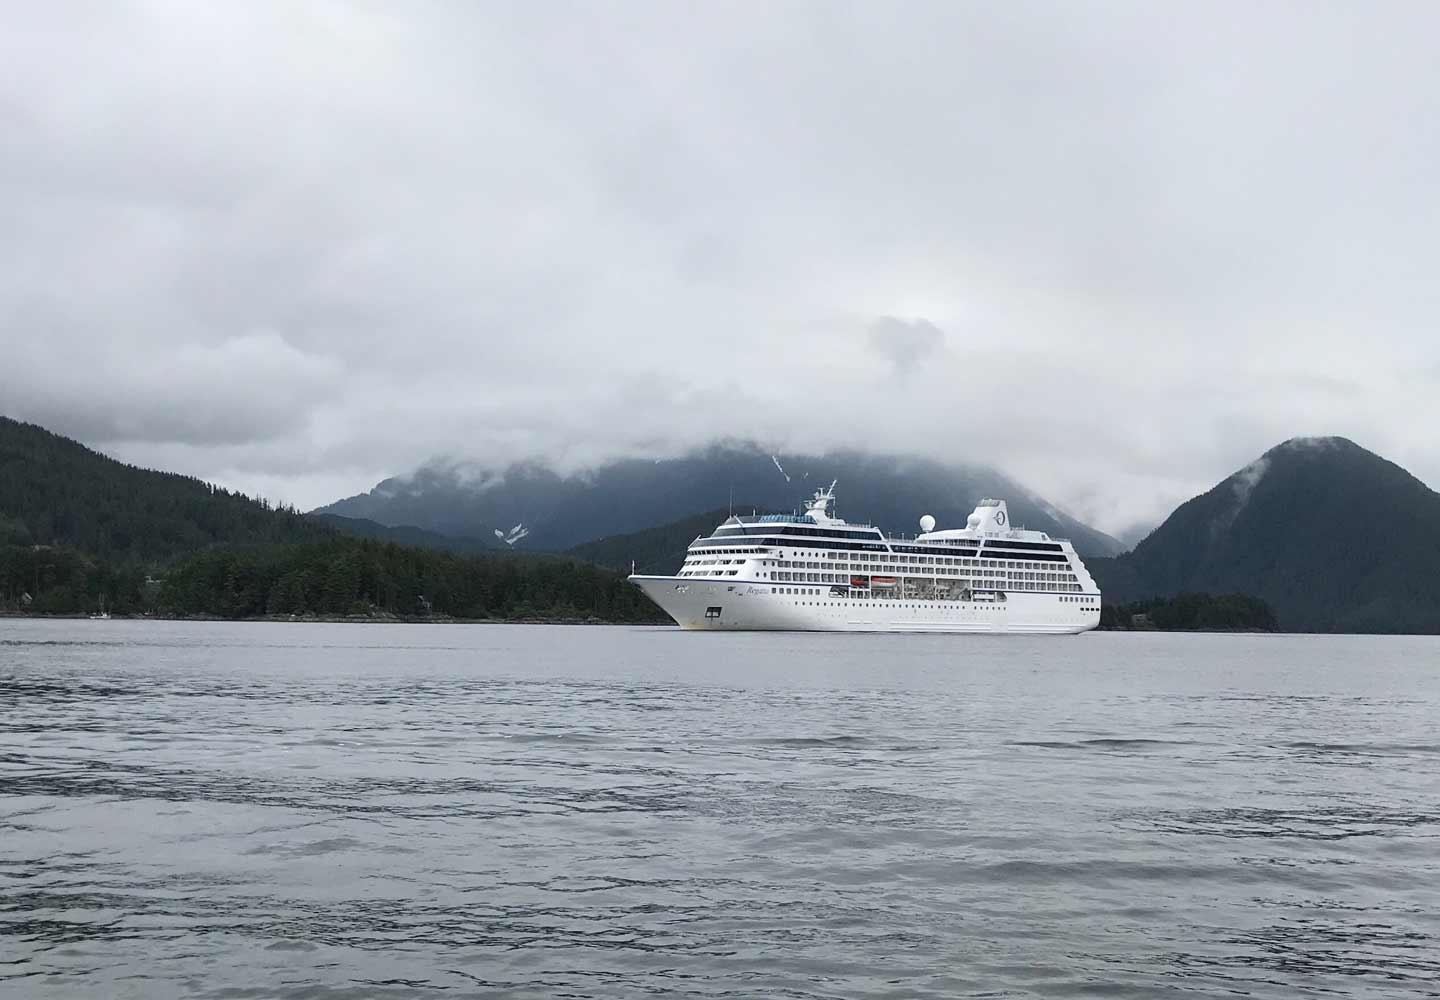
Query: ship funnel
[{"x": 989, "y": 517}]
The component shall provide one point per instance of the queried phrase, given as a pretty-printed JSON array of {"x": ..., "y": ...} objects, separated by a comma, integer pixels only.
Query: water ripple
[{"x": 312, "y": 811}]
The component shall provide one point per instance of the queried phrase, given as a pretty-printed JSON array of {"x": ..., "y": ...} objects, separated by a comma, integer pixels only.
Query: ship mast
[{"x": 819, "y": 507}]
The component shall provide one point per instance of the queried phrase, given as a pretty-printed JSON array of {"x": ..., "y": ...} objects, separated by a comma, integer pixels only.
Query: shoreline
[
  {"x": 447, "y": 620},
  {"x": 330, "y": 619}
]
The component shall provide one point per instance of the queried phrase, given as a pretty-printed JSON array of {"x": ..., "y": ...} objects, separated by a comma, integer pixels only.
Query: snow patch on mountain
[{"x": 513, "y": 535}]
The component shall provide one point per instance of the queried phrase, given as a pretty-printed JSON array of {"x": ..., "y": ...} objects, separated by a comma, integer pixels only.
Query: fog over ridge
[{"x": 1116, "y": 252}]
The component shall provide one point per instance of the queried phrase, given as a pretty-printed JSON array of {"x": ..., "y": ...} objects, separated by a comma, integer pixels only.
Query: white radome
[{"x": 927, "y": 523}]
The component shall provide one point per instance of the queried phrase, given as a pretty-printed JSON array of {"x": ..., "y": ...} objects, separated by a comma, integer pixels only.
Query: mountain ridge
[
  {"x": 64, "y": 493},
  {"x": 660, "y": 549},
  {"x": 560, "y": 512},
  {"x": 1332, "y": 536},
  {"x": 81, "y": 531},
  {"x": 1296, "y": 527},
  {"x": 405, "y": 534}
]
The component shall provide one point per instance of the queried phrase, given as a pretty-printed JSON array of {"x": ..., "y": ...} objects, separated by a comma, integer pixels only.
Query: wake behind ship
[{"x": 816, "y": 572}]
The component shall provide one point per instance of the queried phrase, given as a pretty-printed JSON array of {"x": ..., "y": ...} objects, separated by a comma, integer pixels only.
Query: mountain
[
  {"x": 1334, "y": 537},
  {"x": 556, "y": 512},
  {"x": 1135, "y": 534},
  {"x": 405, "y": 534},
  {"x": 55, "y": 491},
  {"x": 80, "y": 531},
  {"x": 654, "y": 550}
]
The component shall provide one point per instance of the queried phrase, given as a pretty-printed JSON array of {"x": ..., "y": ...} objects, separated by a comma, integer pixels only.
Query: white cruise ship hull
[{"x": 728, "y": 605}]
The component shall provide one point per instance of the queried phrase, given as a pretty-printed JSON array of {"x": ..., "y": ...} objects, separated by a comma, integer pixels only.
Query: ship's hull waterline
[{"x": 724, "y": 606}]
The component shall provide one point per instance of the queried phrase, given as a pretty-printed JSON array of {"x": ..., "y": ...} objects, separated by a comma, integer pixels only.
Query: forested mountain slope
[
  {"x": 659, "y": 550},
  {"x": 55, "y": 491},
  {"x": 1334, "y": 537},
  {"x": 559, "y": 512},
  {"x": 405, "y": 534},
  {"x": 80, "y": 531}
]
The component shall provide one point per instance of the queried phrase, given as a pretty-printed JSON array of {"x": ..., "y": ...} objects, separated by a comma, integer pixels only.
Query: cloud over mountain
[{"x": 299, "y": 249}]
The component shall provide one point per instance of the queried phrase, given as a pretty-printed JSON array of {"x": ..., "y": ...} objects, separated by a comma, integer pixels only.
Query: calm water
[{"x": 341, "y": 810}]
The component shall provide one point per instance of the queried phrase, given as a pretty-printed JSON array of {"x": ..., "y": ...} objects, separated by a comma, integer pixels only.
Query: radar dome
[{"x": 927, "y": 523}]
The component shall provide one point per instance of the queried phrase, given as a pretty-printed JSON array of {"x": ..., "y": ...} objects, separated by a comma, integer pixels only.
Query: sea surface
[{"x": 334, "y": 811}]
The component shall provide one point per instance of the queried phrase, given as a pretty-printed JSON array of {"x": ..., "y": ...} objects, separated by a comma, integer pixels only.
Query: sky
[{"x": 1117, "y": 250}]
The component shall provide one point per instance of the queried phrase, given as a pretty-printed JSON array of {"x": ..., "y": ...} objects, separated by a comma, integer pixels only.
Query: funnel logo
[{"x": 999, "y": 517}]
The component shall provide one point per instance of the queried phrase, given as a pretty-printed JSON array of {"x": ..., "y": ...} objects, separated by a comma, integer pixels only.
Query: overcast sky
[{"x": 1117, "y": 250}]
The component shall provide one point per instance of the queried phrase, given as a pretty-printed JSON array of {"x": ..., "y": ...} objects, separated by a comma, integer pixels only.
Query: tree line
[
  {"x": 1192, "y": 612},
  {"x": 55, "y": 491},
  {"x": 79, "y": 530},
  {"x": 337, "y": 577},
  {"x": 346, "y": 576}
]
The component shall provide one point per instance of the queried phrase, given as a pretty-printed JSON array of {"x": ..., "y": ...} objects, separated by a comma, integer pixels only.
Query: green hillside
[
  {"x": 659, "y": 550},
  {"x": 55, "y": 491},
  {"x": 405, "y": 534},
  {"x": 1333, "y": 537},
  {"x": 79, "y": 530}
]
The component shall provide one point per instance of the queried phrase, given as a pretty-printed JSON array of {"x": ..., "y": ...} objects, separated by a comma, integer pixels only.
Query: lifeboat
[{"x": 883, "y": 581}]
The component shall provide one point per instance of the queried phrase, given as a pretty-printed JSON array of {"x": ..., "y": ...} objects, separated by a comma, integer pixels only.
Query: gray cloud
[
  {"x": 301, "y": 248},
  {"x": 905, "y": 344}
]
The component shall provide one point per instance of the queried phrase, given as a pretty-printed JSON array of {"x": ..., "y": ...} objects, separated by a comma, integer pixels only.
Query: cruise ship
[{"x": 816, "y": 572}]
